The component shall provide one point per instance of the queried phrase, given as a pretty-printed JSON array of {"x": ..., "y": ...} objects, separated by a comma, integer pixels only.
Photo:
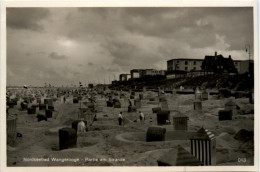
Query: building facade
[
  {"x": 242, "y": 66},
  {"x": 151, "y": 72},
  {"x": 135, "y": 73},
  {"x": 138, "y": 73},
  {"x": 184, "y": 64},
  {"x": 124, "y": 77},
  {"x": 218, "y": 64}
]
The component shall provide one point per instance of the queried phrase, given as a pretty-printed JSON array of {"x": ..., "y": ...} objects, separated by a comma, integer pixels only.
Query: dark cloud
[
  {"x": 26, "y": 18},
  {"x": 197, "y": 26},
  {"x": 127, "y": 55},
  {"x": 56, "y": 56},
  {"x": 122, "y": 52}
]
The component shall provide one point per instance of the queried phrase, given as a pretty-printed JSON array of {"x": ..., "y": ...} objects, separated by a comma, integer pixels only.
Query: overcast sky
[{"x": 63, "y": 46}]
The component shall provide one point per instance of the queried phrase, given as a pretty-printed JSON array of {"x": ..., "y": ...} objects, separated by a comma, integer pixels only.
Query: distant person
[
  {"x": 95, "y": 117},
  {"x": 141, "y": 116},
  {"x": 81, "y": 127},
  {"x": 181, "y": 88},
  {"x": 81, "y": 130},
  {"x": 120, "y": 118},
  {"x": 130, "y": 103},
  {"x": 64, "y": 99}
]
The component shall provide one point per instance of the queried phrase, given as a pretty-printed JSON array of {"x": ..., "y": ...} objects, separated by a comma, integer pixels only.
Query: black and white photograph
[{"x": 131, "y": 86}]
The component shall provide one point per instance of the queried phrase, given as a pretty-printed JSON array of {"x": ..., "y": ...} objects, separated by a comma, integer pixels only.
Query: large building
[
  {"x": 184, "y": 64},
  {"x": 139, "y": 73},
  {"x": 218, "y": 64}
]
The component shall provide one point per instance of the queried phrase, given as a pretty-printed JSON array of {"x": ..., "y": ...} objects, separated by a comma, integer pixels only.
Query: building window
[
  {"x": 177, "y": 61},
  {"x": 194, "y": 68},
  {"x": 194, "y": 62},
  {"x": 186, "y": 68},
  {"x": 186, "y": 62},
  {"x": 177, "y": 67}
]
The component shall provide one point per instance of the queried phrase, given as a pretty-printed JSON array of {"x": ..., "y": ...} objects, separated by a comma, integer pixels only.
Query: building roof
[
  {"x": 186, "y": 59},
  {"x": 179, "y": 157}
]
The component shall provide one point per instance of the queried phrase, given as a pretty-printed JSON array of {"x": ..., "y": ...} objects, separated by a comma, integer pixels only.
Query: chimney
[
  {"x": 216, "y": 53},
  {"x": 229, "y": 56}
]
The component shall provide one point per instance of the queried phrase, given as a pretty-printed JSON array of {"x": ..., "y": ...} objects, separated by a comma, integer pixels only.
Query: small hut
[
  {"x": 67, "y": 138},
  {"x": 42, "y": 106},
  {"x": 75, "y": 100},
  {"x": 204, "y": 95},
  {"x": 163, "y": 117},
  {"x": 197, "y": 105},
  {"x": 48, "y": 113},
  {"x": 224, "y": 115},
  {"x": 48, "y": 101},
  {"x": 203, "y": 146},
  {"x": 24, "y": 105},
  {"x": 31, "y": 110},
  {"x": 11, "y": 128},
  {"x": 230, "y": 105},
  {"x": 155, "y": 134},
  {"x": 180, "y": 122}
]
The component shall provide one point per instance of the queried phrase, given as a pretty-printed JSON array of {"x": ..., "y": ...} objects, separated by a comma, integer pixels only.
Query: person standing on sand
[
  {"x": 141, "y": 116},
  {"x": 130, "y": 103},
  {"x": 80, "y": 132},
  {"x": 120, "y": 118},
  {"x": 181, "y": 88}
]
